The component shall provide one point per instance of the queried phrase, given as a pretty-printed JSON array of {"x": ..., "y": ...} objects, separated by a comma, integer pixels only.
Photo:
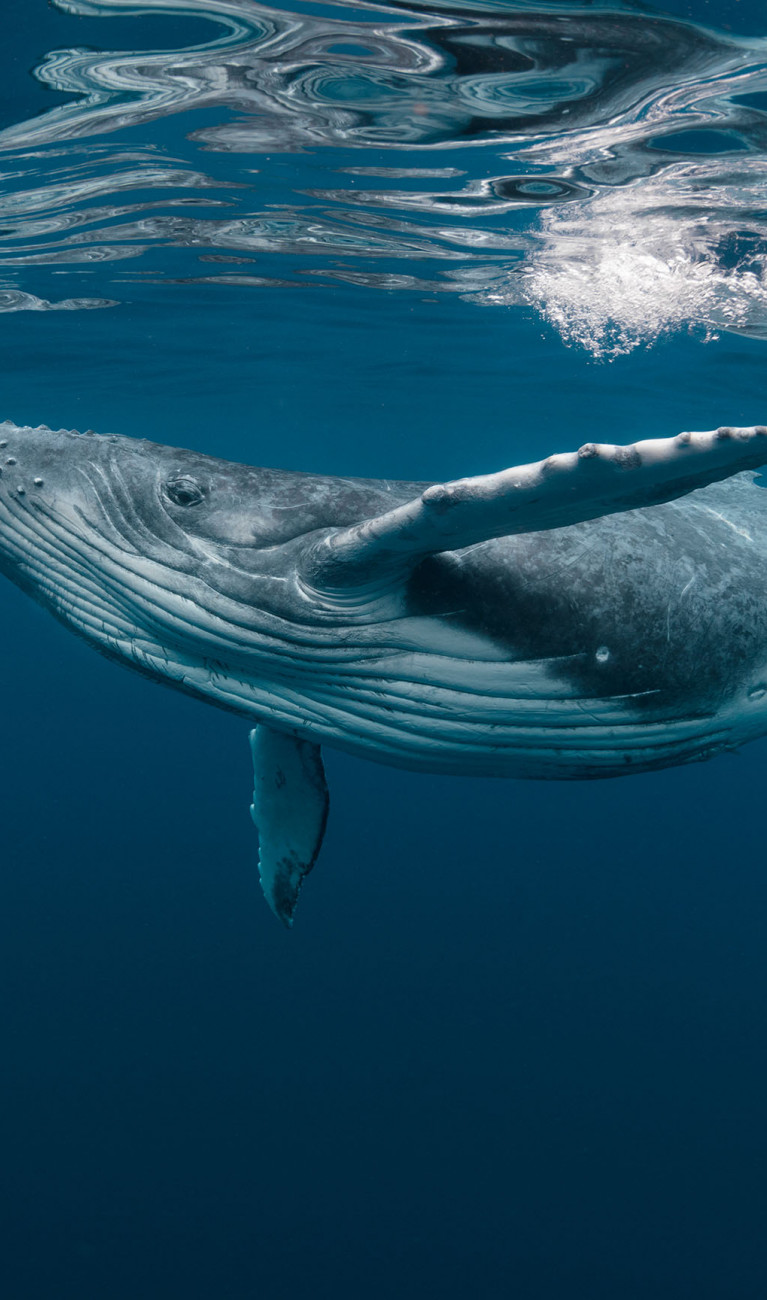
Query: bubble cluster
[{"x": 637, "y": 263}]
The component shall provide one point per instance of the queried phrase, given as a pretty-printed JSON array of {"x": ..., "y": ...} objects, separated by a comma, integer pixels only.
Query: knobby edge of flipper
[
  {"x": 290, "y": 812},
  {"x": 564, "y": 489}
]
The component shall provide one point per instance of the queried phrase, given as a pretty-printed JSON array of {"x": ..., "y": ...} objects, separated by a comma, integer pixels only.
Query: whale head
[
  {"x": 145, "y": 550},
  {"x": 107, "y": 531},
  {"x": 160, "y": 556}
]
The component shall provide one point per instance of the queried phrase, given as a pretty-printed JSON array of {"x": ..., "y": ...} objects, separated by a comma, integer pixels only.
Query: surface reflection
[{"x": 603, "y": 165}]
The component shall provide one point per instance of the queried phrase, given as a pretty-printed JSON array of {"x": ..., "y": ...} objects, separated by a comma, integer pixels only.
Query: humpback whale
[{"x": 597, "y": 613}]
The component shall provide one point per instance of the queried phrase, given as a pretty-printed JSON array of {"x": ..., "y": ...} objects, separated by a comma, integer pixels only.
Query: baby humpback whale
[{"x": 599, "y": 612}]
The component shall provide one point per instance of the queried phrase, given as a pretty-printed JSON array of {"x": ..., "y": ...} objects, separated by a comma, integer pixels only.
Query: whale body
[{"x": 597, "y": 613}]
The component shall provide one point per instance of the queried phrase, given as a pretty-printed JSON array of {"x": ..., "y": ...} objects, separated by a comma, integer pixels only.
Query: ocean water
[{"x": 516, "y": 1043}]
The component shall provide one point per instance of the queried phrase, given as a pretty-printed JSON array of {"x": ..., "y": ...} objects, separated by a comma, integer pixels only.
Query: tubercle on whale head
[{"x": 148, "y": 485}]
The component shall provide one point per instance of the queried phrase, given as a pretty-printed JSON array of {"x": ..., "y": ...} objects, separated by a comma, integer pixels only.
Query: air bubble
[
  {"x": 758, "y": 692},
  {"x": 602, "y": 655}
]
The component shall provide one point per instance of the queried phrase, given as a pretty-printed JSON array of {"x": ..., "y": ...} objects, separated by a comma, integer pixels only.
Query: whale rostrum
[{"x": 597, "y": 613}]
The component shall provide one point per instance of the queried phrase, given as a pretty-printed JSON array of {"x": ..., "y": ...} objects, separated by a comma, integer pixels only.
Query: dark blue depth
[{"x": 516, "y": 1043}]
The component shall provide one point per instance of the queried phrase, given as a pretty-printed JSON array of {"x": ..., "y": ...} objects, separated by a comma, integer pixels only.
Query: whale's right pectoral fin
[
  {"x": 290, "y": 809},
  {"x": 567, "y": 488}
]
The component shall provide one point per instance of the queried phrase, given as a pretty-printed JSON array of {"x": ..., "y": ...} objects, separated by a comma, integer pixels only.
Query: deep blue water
[{"x": 516, "y": 1044}]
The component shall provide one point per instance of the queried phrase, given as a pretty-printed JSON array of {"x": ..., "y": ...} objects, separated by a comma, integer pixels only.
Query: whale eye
[{"x": 184, "y": 492}]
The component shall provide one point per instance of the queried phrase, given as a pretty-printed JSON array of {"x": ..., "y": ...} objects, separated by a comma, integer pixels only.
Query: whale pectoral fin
[
  {"x": 569, "y": 488},
  {"x": 290, "y": 809}
]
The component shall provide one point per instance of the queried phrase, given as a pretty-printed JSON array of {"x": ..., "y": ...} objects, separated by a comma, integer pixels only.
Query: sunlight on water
[{"x": 600, "y": 165}]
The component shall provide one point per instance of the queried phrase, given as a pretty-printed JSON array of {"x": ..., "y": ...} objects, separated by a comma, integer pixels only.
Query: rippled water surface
[
  {"x": 515, "y": 1045},
  {"x": 603, "y": 165}
]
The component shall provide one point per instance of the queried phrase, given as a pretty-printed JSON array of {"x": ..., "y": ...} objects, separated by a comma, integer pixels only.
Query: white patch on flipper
[{"x": 289, "y": 809}]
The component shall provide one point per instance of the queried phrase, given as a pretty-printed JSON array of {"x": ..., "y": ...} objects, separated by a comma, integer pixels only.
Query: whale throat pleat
[{"x": 565, "y": 489}]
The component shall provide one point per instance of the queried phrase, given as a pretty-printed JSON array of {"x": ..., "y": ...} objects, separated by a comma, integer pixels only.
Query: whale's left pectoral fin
[
  {"x": 290, "y": 810},
  {"x": 565, "y": 489}
]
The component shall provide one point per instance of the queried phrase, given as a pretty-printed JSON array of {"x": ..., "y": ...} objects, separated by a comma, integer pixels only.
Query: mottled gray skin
[
  {"x": 625, "y": 643},
  {"x": 664, "y": 609}
]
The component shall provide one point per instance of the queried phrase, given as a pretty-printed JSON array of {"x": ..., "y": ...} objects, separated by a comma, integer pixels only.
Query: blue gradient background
[{"x": 516, "y": 1043}]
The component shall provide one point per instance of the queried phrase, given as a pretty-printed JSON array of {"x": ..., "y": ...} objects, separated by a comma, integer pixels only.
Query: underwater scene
[{"x": 511, "y": 1042}]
